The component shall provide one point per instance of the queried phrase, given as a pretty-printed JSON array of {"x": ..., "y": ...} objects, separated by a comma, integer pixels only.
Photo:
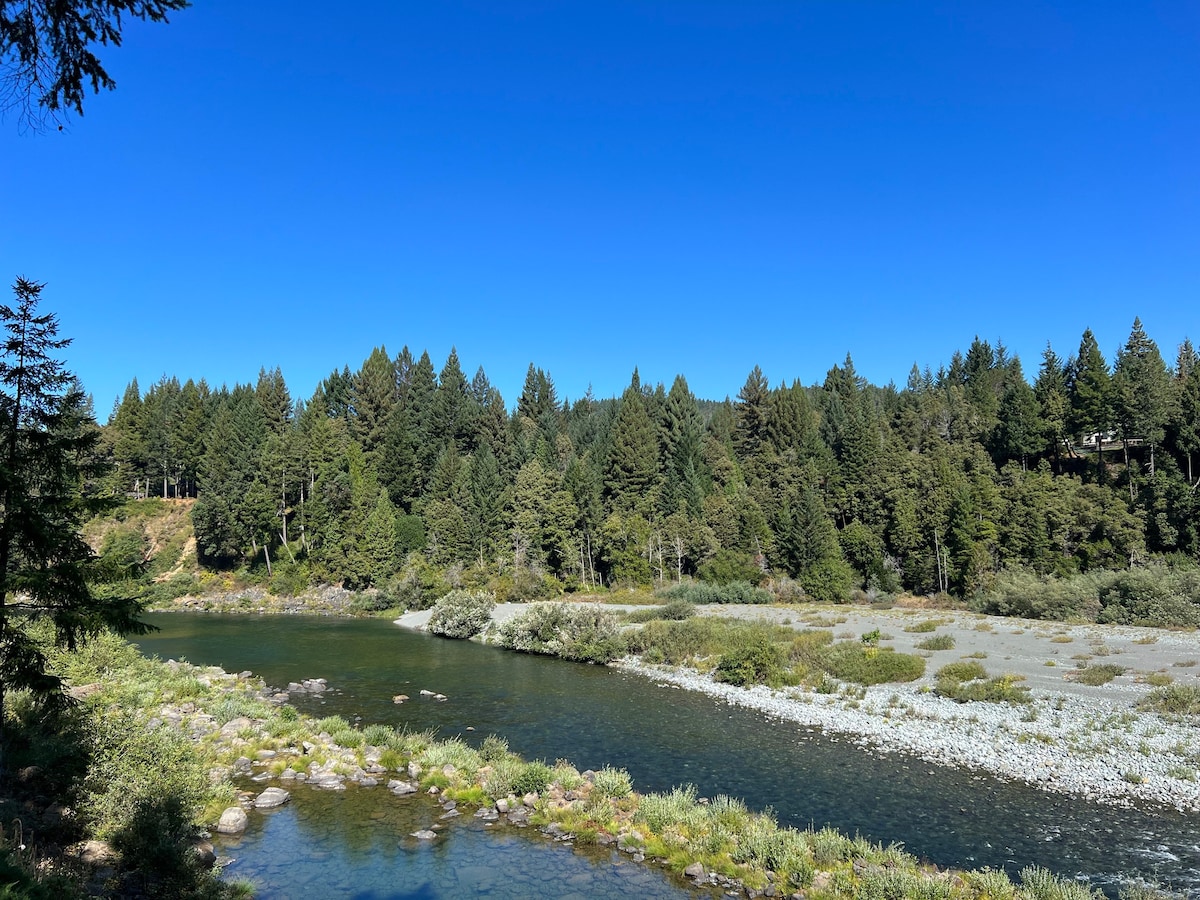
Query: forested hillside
[{"x": 403, "y": 477}]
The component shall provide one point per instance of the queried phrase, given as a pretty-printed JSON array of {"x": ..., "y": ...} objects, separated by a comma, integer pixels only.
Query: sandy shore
[{"x": 1073, "y": 738}]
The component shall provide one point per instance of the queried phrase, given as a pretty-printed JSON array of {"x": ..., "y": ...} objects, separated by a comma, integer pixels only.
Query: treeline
[{"x": 396, "y": 471}]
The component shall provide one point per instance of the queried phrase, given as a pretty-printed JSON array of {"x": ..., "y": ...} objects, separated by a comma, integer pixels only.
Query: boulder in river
[{"x": 271, "y": 797}]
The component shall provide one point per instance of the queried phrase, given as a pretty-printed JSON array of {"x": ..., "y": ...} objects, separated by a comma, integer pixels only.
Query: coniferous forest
[{"x": 977, "y": 481}]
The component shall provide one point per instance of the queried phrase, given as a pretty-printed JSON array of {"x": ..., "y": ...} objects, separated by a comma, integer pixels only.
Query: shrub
[
  {"x": 1098, "y": 675},
  {"x": 580, "y": 633},
  {"x": 144, "y": 790},
  {"x": 961, "y": 671},
  {"x": 534, "y": 778},
  {"x": 937, "y": 642},
  {"x": 462, "y": 614},
  {"x": 662, "y": 811},
  {"x": 1173, "y": 699},
  {"x": 1021, "y": 593},
  {"x": 612, "y": 784},
  {"x": 493, "y": 748},
  {"x": 728, "y": 566},
  {"x": 926, "y": 627},
  {"x": 1042, "y": 884},
  {"x": 739, "y": 591},
  {"x": 675, "y": 611},
  {"x": 828, "y": 581},
  {"x": 867, "y": 665},
  {"x": 1001, "y": 689},
  {"x": 760, "y": 663}
]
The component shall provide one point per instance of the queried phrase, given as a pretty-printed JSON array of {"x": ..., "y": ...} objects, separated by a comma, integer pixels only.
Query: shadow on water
[{"x": 664, "y": 736}]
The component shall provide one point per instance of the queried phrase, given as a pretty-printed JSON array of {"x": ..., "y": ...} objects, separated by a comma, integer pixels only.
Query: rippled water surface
[{"x": 664, "y": 736}]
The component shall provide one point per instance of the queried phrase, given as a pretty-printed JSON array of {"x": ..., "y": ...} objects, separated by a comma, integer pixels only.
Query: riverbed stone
[
  {"x": 233, "y": 821},
  {"x": 695, "y": 870},
  {"x": 424, "y": 835},
  {"x": 271, "y": 797}
]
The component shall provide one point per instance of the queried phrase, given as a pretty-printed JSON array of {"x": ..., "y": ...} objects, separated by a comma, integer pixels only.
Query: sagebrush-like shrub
[
  {"x": 580, "y": 633},
  {"x": 462, "y": 614},
  {"x": 708, "y": 592}
]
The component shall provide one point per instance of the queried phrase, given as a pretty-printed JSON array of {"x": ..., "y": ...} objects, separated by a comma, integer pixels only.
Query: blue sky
[{"x": 685, "y": 187}]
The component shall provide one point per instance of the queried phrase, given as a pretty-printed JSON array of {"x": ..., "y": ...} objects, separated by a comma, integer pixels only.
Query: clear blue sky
[{"x": 685, "y": 187}]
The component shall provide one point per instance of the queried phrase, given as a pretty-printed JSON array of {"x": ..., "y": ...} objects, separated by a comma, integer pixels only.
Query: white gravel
[{"x": 1072, "y": 739}]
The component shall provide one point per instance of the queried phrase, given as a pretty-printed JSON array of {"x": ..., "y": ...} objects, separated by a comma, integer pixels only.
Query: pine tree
[
  {"x": 1186, "y": 407},
  {"x": 1091, "y": 396},
  {"x": 1050, "y": 391},
  {"x": 128, "y": 441},
  {"x": 632, "y": 467},
  {"x": 1142, "y": 393},
  {"x": 751, "y": 414},
  {"x": 373, "y": 395},
  {"x": 43, "y": 557}
]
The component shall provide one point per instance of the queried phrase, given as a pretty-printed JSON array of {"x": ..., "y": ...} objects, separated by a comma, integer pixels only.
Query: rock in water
[
  {"x": 233, "y": 821},
  {"x": 271, "y": 797}
]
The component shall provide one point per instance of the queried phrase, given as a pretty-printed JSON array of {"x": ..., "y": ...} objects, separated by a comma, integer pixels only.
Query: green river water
[{"x": 356, "y": 844}]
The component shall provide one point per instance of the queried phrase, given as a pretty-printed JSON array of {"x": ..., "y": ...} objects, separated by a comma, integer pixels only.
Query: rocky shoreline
[
  {"x": 1085, "y": 741},
  {"x": 1083, "y": 747}
]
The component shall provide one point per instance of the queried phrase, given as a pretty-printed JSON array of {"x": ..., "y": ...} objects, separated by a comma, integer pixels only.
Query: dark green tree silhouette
[{"x": 44, "y": 561}]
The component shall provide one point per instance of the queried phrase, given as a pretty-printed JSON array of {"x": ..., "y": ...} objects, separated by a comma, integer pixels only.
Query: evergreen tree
[
  {"x": 43, "y": 558},
  {"x": 1019, "y": 427},
  {"x": 453, "y": 414},
  {"x": 1050, "y": 391},
  {"x": 1141, "y": 392},
  {"x": 1091, "y": 397},
  {"x": 129, "y": 441},
  {"x": 372, "y": 396},
  {"x": 751, "y": 414},
  {"x": 1186, "y": 407},
  {"x": 632, "y": 467}
]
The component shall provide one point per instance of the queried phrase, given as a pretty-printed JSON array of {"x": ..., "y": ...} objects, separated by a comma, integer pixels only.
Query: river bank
[{"x": 1086, "y": 740}]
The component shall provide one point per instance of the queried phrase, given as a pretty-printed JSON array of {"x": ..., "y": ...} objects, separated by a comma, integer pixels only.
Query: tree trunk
[{"x": 267, "y": 556}]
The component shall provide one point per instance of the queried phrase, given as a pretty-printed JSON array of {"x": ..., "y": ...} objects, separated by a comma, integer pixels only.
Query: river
[{"x": 550, "y": 709}]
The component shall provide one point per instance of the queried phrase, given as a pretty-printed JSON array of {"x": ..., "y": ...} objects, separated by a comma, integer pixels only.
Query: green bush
[
  {"x": 1095, "y": 676},
  {"x": 760, "y": 663},
  {"x": 728, "y": 566},
  {"x": 675, "y": 611},
  {"x": 534, "y": 778},
  {"x": 581, "y": 633},
  {"x": 1042, "y": 884},
  {"x": 612, "y": 784},
  {"x": 493, "y": 748},
  {"x": 144, "y": 791},
  {"x": 867, "y": 665},
  {"x": 937, "y": 642},
  {"x": 462, "y": 614},
  {"x": 1001, "y": 689},
  {"x": 739, "y": 591},
  {"x": 1156, "y": 594},
  {"x": 1174, "y": 699},
  {"x": 830, "y": 580},
  {"x": 962, "y": 671},
  {"x": 678, "y": 642},
  {"x": 658, "y": 812}
]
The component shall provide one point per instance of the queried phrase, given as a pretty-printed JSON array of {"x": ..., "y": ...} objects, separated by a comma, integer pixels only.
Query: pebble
[{"x": 1084, "y": 756}]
